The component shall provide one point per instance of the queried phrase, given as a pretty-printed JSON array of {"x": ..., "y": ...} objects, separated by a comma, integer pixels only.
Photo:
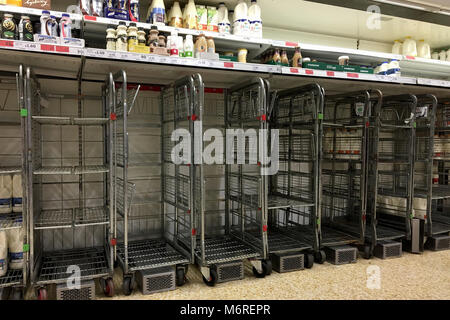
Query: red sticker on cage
[
  {"x": 194, "y": 117},
  {"x": 113, "y": 242},
  {"x": 265, "y": 228},
  {"x": 330, "y": 73},
  {"x": 228, "y": 64},
  {"x": 263, "y": 117},
  {"x": 194, "y": 232},
  {"x": 113, "y": 116},
  {"x": 6, "y": 43},
  {"x": 309, "y": 71}
]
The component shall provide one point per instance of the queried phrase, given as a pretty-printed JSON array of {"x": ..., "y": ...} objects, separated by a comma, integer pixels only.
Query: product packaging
[{"x": 37, "y": 4}]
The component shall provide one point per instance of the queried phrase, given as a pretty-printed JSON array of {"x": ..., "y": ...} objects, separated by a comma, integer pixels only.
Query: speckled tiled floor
[{"x": 425, "y": 276}]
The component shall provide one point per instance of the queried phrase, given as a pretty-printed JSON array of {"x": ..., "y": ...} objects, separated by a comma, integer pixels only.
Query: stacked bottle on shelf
[{"x": 11, "y": 239}]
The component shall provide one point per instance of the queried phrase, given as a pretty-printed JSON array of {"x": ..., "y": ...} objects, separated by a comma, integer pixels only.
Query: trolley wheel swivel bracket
[
  {"x": 206, "y": 272},
  {"x": 257, "y": 264}
]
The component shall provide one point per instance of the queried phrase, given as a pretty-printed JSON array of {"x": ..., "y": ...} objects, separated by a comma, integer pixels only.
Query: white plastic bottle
[
  {"x": 45, "y": 23},
  {"x": 3, "y": 253},
  {"x": 190, "y": 15},
  {"x": 423, "y": 50},
  {"x": 442, "y": 55},
  {"x": 158, "y": 13},
  {"x": 180, "y": 46},
  {"x": 175, "y": 16},
  {"x": 222, "y": 11},
  {"x": 189, "y": 47},
  {"x": 15, "y": 245},
  {"x": 65, "y": 26},
  {"x": 241, "y": 25},
  {"x": 224, "y": 23},
  {"x": 397, "y": 47},
  {"x": 17, "y": 193},
  {"x": 254, "y": 16},
  {"x": 6, "y": 194},
  {"x": 409, "y": 47}
]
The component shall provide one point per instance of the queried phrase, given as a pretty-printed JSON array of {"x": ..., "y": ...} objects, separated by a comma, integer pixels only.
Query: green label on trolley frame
[{"x": 23, "y": 112}]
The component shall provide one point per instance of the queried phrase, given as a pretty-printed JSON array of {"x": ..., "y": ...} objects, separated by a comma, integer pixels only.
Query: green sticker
[
  {"x": 411, "y": 215},
  {"x": 23, "y": 112},
  {"x": 318, "y": 221},
  {"x": 26, "y": 247},
  {"x": 415, "y": 125},
  {"x": 320, "y": 116}
]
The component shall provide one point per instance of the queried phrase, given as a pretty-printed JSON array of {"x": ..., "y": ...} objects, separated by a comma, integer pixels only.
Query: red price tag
[
  {"x": 228, "y": 64},
  {"x": 47, "y": 47},
  {"x": 330, "y": 73},
  {"x": 309, "y": 71},
  {"x": 294, "y": 70},
  {"x": 90, "y": 18},
  {"x": 6, "y": 43},
  {"x": 62, "y": 49},
  {"x": 291, "y": 44},
  {"x": 352, "y": 75}
]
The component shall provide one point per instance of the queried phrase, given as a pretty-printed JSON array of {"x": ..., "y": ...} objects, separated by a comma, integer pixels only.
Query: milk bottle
[
  {"x": 254, "y": 16},
  {"x": 3, "y": 253},
  {"x": 5, "y": 194},
  {"x": 190, "y": 15},
  {"x": 17, "y": 193},
  {"x": 15, "y": 245},
  {"x": 241, "y": 25}
]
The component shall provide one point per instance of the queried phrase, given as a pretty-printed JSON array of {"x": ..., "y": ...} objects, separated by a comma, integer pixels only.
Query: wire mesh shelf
[
  {"x": 147, "y": 254},
  {"x": 71, "y": 170},
  {"x": 11, "y": 278},
  {"x": 278, "y": 202},
  {"x": 70, "y": 120},
  {"x": 68, "y": 218},
  {"x": 224, "y": 249},
  {"x": 11, "y": 221},
  {"x": 10, "y": 170},
  {"x": 91, "y": 261}
]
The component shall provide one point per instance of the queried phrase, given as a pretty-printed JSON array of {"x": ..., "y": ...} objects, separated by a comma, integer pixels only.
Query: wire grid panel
[{"x": 344, "y": 170}]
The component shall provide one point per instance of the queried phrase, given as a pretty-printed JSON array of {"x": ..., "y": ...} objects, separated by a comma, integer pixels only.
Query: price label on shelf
[
  {"x": 124, "y": 56},
  {"x": 228, "y": 65},
  {"x": 7, "y": 43},
  {"x": 100, "y": 53},
  {"x": 62, "y": 49},
  {"x": 309, "y": 71},
  {"x": 47, "y": 47},
  {"x": 330, "y": 73},
  {"x": 294, "y": 70}
]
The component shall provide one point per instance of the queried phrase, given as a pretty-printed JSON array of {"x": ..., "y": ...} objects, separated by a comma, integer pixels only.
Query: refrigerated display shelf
[{"x": 11, "y": 221}]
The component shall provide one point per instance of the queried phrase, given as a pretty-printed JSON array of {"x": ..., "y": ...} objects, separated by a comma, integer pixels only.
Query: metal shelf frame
[
  {"x": 294, "y": 192},
  {"x": 50, "y": 218}
]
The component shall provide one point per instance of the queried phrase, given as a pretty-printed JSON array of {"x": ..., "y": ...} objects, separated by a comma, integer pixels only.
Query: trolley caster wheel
[
  {"x": 320, "y": 257},
  {"x": 211, "y": 282},
  {"x": 108, "y": 288},
  {"x": 180, "y": 277},
  {"x": 127, "y": 285},
  {"x": 42, "y": 294},
  {"x": 16, "y": 294},
  {"x": 266, "y": 269},
  {"x": 367, "y": 254},
  {"x": 309, "y": 260}
]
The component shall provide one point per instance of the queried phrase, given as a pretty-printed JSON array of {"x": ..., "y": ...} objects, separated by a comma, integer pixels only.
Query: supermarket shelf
[
  {"x": 10, "y": 170},
  {"x": 277, "y": 202},
  {"x": 434, "y": 82},
  {"x": 71, "y": 170},
  {"x": 93, "y": 263},
  {"x": 347, "y": 75},
  {"x": 36, "y": 12},
  {"x": 11, "y": 221},
  {"x": 70, "y": 120},
  {"x": 331, "y": 54},
  {"x": 425, "y": 67},
  {"x": 97, "y": 25},
  {"x": 69, "y": 218}
]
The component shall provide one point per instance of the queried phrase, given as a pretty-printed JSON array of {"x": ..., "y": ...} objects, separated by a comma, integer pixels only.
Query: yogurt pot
[{"x": 242, "y": 55}]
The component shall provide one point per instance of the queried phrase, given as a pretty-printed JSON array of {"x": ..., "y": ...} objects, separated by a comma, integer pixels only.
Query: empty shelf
[
  {"x": 11, "y": 278},
  {"x": 280, "y": 242},
  {"x": 10, "y": 221},
  {"x": 441, "y": 192},
  {"x": 91, "y": 216},
  {"x": 91, "y": 261},
  {"x": 334, "y": 237},
  {"x": 438, "y": 227},
  {"x": 68, "y": 218},
  {"x": 9, "y": 170},
  {"x": 54, "y": 219},
  {"x": 71, "y": 170},
  {"x": 70, "y": 120},
  {"x": 277, "y": 202},
  {"x": 147, "y": 254},
  {"x": 225, "y": 249}
]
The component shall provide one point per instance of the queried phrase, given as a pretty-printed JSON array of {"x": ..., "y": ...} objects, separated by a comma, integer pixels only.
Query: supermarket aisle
[{"x": 425, "y": 276}]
